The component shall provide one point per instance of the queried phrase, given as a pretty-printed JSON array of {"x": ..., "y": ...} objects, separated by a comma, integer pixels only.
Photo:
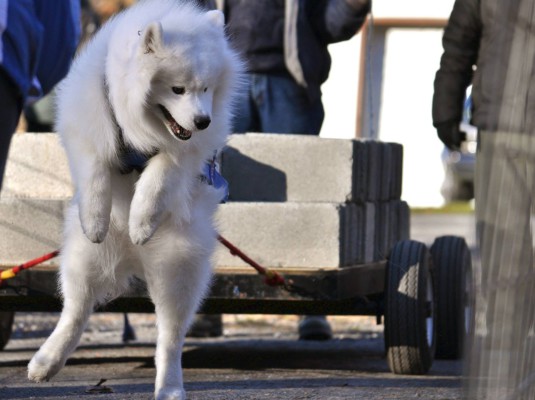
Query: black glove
[{"x": 450, "y": 134}]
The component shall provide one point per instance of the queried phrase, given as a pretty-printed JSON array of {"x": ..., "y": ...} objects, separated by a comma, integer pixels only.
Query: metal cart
[{"x": 423, "y": 296}]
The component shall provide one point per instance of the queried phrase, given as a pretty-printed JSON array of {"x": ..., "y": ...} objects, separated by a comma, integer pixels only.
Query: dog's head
[{"x": 187, "y": 69}]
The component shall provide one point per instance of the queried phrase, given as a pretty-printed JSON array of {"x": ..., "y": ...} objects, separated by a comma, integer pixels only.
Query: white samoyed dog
[{"x": 156, "y": 83}]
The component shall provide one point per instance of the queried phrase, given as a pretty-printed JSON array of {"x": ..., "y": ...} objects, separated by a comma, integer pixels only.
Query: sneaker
[
  {"x": 206, "y": 325},
  {"x": 314, "y": 327}
]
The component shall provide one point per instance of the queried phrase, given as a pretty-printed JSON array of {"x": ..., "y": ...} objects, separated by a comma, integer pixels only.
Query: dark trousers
[{"x": 10, "y": 109}]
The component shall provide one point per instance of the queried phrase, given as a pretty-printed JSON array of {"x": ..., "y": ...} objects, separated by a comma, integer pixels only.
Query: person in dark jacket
[
  {"x": 38, "y": 39},
  {"x": 284, "y": 44},
  {"x": 491, "y": 44}
]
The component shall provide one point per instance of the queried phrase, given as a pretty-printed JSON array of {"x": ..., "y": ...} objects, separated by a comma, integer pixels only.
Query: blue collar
[{"x": 129, "y": 158}]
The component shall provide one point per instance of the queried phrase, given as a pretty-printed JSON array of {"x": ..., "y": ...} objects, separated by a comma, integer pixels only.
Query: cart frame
[{"x": 355, "y": 290}]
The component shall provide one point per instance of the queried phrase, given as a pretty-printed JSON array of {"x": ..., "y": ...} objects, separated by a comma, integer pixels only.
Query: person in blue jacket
[{"x": 38, "y": 39}]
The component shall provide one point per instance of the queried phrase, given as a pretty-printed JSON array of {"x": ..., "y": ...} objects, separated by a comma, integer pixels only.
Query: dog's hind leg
[
  {"x": 176, "y": 289},
  {"x": 81, "y": 290}
]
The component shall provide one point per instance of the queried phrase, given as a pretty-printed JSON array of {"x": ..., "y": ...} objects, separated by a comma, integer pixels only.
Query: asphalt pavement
[
  {"x": 259, "y": 357},
  {"x": 256, "y": 359}
]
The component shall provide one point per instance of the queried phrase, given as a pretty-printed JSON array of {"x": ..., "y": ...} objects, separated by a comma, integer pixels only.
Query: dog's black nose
[{"x": 202, "y": 121}]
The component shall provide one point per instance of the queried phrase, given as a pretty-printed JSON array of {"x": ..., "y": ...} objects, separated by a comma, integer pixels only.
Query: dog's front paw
[
  {"x": 141, "y": 230},
  {"x": 170, "y": 394},
  {"x": 42, "y": 367},
  {"x": 96, "y": 234},
  {"x": 95, "y": 227}
]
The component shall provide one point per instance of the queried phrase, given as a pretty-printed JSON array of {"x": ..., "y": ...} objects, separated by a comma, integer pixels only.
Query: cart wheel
[
  {"x": 409, "y": 311},
  {"x": 6, "y": 326},
  {"x": 454, "y": 295}
]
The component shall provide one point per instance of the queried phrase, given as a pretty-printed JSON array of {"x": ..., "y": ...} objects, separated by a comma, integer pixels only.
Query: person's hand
[{"x": 450, "y": 134}]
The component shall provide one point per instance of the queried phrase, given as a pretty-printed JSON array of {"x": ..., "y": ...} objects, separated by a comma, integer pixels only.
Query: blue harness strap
[
  {"x": 212, "y": 177},
  {"x": 132, "y": 159}
]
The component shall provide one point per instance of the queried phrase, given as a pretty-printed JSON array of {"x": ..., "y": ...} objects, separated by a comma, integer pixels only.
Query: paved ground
[{"x": 258, "y": 358}]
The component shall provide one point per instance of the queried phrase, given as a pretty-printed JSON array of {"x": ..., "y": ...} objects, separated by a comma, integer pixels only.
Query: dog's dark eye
[
  {"x": 178, "y": 90},
  {"x": 205, "y": 89}
]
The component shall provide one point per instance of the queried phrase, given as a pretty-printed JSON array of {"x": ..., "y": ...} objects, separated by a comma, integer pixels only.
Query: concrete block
[
  {"x": 259, "y": 167},
  {"x": 404, "y": 220},
  {"x": 359, "y": 240},
  {"x": 383, "y": 226},
  {"x": 294, "y": 168},
  {"x": 314, "y": 235},
  {"x": 298, "y": 178},
  {"x": 297, "y": 168},
  {"x": 396, "y": 169},
  {"x": 360, "y": 179},
  {"x": 366, "y": 241},
  {"x": 373, "y": 171},
  {"x": 385, "y": 190},
  {"x": 379, "y": 175},
  {"x": 36, "y": 168},
  {"x": 29, "y": 228},
  {"x": 350, "y": 229},
  {"x": 392, "y": 224}
]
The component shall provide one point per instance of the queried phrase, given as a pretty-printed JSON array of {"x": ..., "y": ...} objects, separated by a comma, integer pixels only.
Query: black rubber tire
[
  {"x": 409, "y": 308},
  {"x": 6, "y": 327},
  {"x": 452, "y": 263}
]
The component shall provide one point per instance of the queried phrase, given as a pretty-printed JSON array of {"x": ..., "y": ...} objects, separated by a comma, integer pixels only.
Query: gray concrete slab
[
  {"x": 29, "y": 228},
  {"x": 297, "y": 168},
  {"x": 285, "y": 234},
  {"x": 268, "y": 167},
  {"x": 36, "y": 168},
  {"x": 396, "y": 180},
  {"x": 259, "y": 167},
  {"x": 302, "y": 174},
  {"x": 308, "y": 235}
]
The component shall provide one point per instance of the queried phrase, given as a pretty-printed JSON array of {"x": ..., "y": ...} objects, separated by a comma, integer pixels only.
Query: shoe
[
  {"x": 314, "y": 327},
  {"x": 129, "y": 334},
  {"x": 206, "y": 325}
]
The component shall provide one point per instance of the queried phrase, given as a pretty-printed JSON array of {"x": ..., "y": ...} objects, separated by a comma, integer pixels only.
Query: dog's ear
[
  {"x": 151, "y": 38},
  {"x": 216, "y": 17}
]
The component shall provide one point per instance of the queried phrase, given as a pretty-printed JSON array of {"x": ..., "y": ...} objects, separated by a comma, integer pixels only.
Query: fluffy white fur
[{"x": 157, "y": 225}]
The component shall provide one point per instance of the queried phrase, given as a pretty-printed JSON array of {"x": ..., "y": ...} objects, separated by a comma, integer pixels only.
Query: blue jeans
[{"x": 276, "y": 104}]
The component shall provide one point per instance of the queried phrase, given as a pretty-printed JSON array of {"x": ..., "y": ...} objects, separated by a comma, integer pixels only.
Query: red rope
[
  {"x": 10, "y": 273},
  {"x": 272, "y": 278}
]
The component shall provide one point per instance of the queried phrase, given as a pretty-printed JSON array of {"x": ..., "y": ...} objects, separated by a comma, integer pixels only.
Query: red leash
[
  {"x": 272, "y": 278},
  {"x": 10, "y": 273}
]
